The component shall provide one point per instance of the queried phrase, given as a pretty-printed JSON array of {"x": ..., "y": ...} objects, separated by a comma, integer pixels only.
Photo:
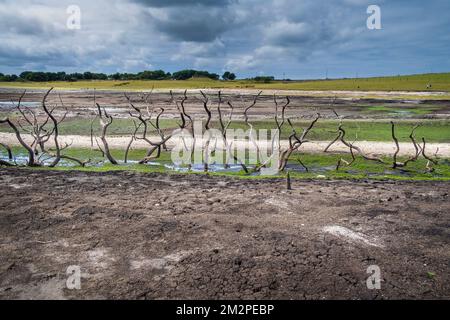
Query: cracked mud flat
[
  {"x": 155, "y": 236},
  {"x": 304, "y": 104}
]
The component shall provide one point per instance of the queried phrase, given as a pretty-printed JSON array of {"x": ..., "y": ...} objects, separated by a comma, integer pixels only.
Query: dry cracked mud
[{"x": 157, "y": 236}]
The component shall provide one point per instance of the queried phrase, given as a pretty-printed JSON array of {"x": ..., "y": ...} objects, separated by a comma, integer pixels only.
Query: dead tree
[
  {"x": 5, "y": 163},
  {"x": 430, "y": 161},
  {"x": 224, "y": 126},
  {"x": 338, "y": 137},
  {"x": 353, "y": 147},
  {"x": 206, "y": 152},
  {"x": 31, "y": 156},
  {"x": 228, "y": 145},
  {"x": 246, "y": 119},
  {"x": 418, "y": 149},
  {"x": 288, "y": 181},
  {"x": 10, "y": 156},
  {"x": 105, "y": 121},
  {"x": 38, "y": 130},
  {"x": 57, "y": 155},
  {"x": 31, "y": 153},
  {"x": 295, "y": 142},
  {"x": 280, "y": 119},
  {"x": 345, "y": 162},
  {"x": 132, "y": 139},
  {"x": 186, "y": 125},
  {"x": 40, "y": 133},
  {"x": 53, "y": 154},
  {"x": 280, "y": 123},
  {"x": 341, "y": 136},
  {"x": 144, "y": 122},
  {"x": 150, "y": 110},
  {"x": 8, "y": 150}
]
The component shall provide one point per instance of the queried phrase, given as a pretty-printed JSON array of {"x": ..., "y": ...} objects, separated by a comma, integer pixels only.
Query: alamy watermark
[
  {"x": 374, "y": 20},
  {"x": 374, "y": 281},
  {"x": 73, "y": 281},
  {"x": 234, "y": 147},
  {"x": 74, "y": 19}
]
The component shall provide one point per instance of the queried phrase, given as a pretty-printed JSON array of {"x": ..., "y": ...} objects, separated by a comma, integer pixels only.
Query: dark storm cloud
[
  {"x": 191, "y": 20},
  {"x": 191, "y": 24}
]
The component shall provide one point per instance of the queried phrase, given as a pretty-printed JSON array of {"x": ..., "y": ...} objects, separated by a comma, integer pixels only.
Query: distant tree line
[
  {"x": 145, "y": 75},
  {"x": 265, "y": 79}
]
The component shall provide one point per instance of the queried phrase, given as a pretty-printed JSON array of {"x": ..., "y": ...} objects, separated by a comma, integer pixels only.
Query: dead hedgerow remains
[{"x": 43, "y": 126}]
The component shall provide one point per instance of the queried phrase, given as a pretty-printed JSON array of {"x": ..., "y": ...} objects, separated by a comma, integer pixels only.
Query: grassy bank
[
  {"x": 320, "y": 166},
  {"x": 438, "y": 82},
  {"x": 369, "y": 130}
]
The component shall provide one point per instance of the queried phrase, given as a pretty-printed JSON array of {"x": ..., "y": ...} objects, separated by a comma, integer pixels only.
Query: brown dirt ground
[
  {"x": 81, "y": 104},
  {"x": 155, "y": 236}
]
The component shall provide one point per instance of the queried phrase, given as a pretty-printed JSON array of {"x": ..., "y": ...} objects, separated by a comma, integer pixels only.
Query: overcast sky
[{"x": 292, "y": 38}]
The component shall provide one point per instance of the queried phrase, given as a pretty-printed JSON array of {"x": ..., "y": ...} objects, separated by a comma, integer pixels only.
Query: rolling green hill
[{"x": 438, "y": 82}]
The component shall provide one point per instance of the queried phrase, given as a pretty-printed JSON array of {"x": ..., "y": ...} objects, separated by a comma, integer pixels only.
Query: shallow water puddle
[{"x": 10, "y": 105}]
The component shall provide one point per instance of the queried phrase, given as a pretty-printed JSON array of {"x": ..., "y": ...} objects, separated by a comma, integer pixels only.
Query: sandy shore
[{"x": 370, "y": 147}]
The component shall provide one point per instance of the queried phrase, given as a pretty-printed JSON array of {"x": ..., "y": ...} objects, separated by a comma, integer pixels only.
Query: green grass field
[
  {"x": 325, "y": 130},
  {"x": 321, "y": 166},
  {"x": 438, "y": 81}
]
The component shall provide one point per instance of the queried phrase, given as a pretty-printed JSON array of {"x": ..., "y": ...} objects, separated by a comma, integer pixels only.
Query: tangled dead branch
[
  {"x": 105, "y": 121},
  {"x": 417, "y": 148},
  {"x": 430, "y": 162},
  {"x": 144, "y": 121},
  {"x": 295, "y": 142},
  {"x": 31, "y": 156},
  {"x": 251, "y": 132},
  {"x": 228, "y": 146},
  {"x": 44, "y": 127},
  {"x": 278, "y": 122},
  {"x": 352, "y": 147},
  {"x": 41, "y": 132},
  {"x": 206, "y": 152},
  {"x": 341, "y": 135},
  {"x": 10, "y": 156},
  {"x": 8, "y": 150}
]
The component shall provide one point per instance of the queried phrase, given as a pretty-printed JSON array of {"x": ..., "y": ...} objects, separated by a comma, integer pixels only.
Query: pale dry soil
[
  {"x": 120, "y": 142},
  {"x": 156, "y": 236},
  {"x": 303, "y": 105}
]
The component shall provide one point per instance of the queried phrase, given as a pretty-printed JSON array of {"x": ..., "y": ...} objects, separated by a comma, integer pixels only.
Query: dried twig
[
  {"x": 105, "y": 121},
  {"x": 8, "y": 150}
]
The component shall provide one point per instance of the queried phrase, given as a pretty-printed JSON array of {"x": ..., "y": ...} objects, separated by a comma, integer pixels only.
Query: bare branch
[
  {"x": 55, "y": 130},
  {"x": 352, "y": 146},
  {"x": 295, "y": 143},
  {"x": 433, "y": 161},
  {"x": 8, "y": 150},
  {"x": 255, "y": 99},
  {"x": 105, "y": 121},
  {"x": 31, "y": 158}
]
